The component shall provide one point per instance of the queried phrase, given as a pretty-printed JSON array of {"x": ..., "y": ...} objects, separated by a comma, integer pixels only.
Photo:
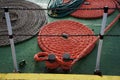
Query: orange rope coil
[
  {"x": 84, "y": 47},
  {"x": 90, "y": 14},
  {"x": 60, "y": 45}
]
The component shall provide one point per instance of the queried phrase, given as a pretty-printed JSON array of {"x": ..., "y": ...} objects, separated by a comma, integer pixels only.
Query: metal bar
[
  {"x": 97, "y": 68},
  {"x": 106, "y": 29},
  {"x": 9, "y": 27}
]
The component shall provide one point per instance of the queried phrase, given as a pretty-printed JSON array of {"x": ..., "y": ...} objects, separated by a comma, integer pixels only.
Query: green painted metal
[{"x": 110, "y": 62}]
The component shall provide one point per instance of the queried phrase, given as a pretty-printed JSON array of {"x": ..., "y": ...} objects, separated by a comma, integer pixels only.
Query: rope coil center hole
[{"x": 64, "y": 35}]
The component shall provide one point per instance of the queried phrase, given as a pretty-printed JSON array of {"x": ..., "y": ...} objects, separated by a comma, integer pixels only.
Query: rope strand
[{"x": 11, "y": 8}]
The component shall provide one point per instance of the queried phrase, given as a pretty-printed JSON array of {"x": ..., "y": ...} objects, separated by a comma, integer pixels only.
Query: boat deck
[{"x": 110, "y": 63}]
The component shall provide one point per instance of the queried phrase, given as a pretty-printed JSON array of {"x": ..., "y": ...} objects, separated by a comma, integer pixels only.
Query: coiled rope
[
  {"x": 89, "y": 14},
  {"x": 63, "y": 4},
  {"x": 23, "y": 21}
]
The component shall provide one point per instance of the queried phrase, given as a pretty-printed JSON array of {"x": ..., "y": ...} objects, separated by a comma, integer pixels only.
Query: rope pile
[
  {"x": 71, "y": 46},
  {"x": 63, "y": 52},
  {"x": 63, "y": 5},
  {"x": 90, "y": 14},
  {"x": 23, "y": 21},
  {"x": 73, "y": 8}
]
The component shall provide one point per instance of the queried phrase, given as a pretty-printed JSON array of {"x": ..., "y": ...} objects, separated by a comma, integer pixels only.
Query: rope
[
  {"x": 14, "y": 8},
  {"x": 107, "y": 35},
  {"x": 89, "y": 14},
  {"x": 27, "y": 22},
  {"x": 60, "y": 4}
]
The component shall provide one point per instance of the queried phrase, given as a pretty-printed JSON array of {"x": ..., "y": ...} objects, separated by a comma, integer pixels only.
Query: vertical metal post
[
  {"x": 104, "y": 20},
  {"x": 9, "y": 27}
]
